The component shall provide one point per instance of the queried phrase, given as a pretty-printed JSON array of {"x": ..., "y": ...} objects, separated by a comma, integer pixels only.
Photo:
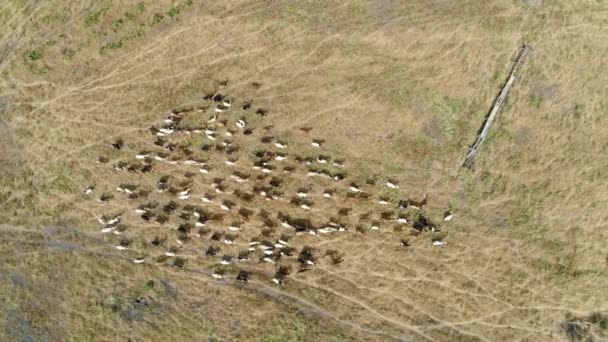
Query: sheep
[
  {"x": 208, "y": 197},
  {"x": 448, "y": 215},
  {"x": 226, "y": 260},
  {"x": 138, "y": 260},
  {"x": 227, "y": 205},
  {"x": 241, "y": 123},
  {"x": 392, "y": 184}
]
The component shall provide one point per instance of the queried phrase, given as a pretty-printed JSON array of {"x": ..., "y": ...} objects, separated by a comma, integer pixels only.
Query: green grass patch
[
  {"x": 157, "y": 18},
  {"x": 535, "y": 101},
  {"x": 34, "y": 55},
  {"x": 117, "y": 24},
  {"x": 93, "y": 17},
  {"x": 174, "y": 11}
]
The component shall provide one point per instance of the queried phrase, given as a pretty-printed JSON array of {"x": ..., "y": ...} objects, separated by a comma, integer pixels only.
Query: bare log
[{"x": 474, "y": 149}]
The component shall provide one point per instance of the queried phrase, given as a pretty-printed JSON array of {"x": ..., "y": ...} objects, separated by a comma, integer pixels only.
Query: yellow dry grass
[{"x": 398, "y": 89}]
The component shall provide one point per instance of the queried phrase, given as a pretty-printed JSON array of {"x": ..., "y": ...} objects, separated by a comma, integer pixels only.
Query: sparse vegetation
[
  {"x": 34, "y": 55},
  {"x": 94, "y": 16},
  {"x": 157, "y": 18}
]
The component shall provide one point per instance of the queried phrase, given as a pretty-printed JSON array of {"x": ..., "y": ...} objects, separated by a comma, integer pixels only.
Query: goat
[{"x": 243, "y": 276}]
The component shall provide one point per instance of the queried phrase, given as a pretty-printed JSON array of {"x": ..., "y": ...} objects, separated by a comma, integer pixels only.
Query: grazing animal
[
  {"x": 202, "y": 232},
  {"x": 336, "y": 256},
  {"x": 243, "y": 276},
  {"x": 161, "y": 219},
  {"x": 262, "y": 112},
  {"x": 392, "y": 184},
  {"x": 226, "y": 260},
  {"x": 179, "y": 262},
  {"x": 276, "y": 182},
  {"x": 158, "y": 241},
  {"x": 246, "y": 212},
  {"x": 419, "y": 204},
  {"x": 448, "y": 215},
  {"x": 344, "y": 211},
  {"x": 170, "y": 207},
  {"x": 422, "y": 223},
  {"x": 148, "y": 216},
  {"x": 354, "y": 187},
  {"x": 118, "y": 144},
  {"x": 244, "y": 255},
  {"x": 282, "y": 272},
  {"x": 306, "y": 256},
  {"x": 184, "y": 228},
  {"x": 216, "y": 236},
  {"x": 387, "y": 215},
  {"x": 212, "y": 250}
]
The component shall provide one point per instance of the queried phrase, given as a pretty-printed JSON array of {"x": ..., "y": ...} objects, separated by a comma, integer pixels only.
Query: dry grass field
[{"x": 116, "y": 95}]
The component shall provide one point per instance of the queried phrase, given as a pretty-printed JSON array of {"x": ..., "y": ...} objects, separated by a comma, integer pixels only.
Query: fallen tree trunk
[{"x": 483, "y": 133}]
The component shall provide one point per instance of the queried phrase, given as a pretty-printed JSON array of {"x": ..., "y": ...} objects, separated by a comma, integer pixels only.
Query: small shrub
[
  {"x": 34, "y": 55},
  {"x": 157, "y": 18},
  {"x": 94, "y": 16},
  {"x": 112, "y": 46},
  {"x": 173, "y": 12},
  {"x": 536, "y": 101},
  {"x": 117, "y": 24},
  {"x": 141, "y": 6},
  {"x": 579, "y": 108}
]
